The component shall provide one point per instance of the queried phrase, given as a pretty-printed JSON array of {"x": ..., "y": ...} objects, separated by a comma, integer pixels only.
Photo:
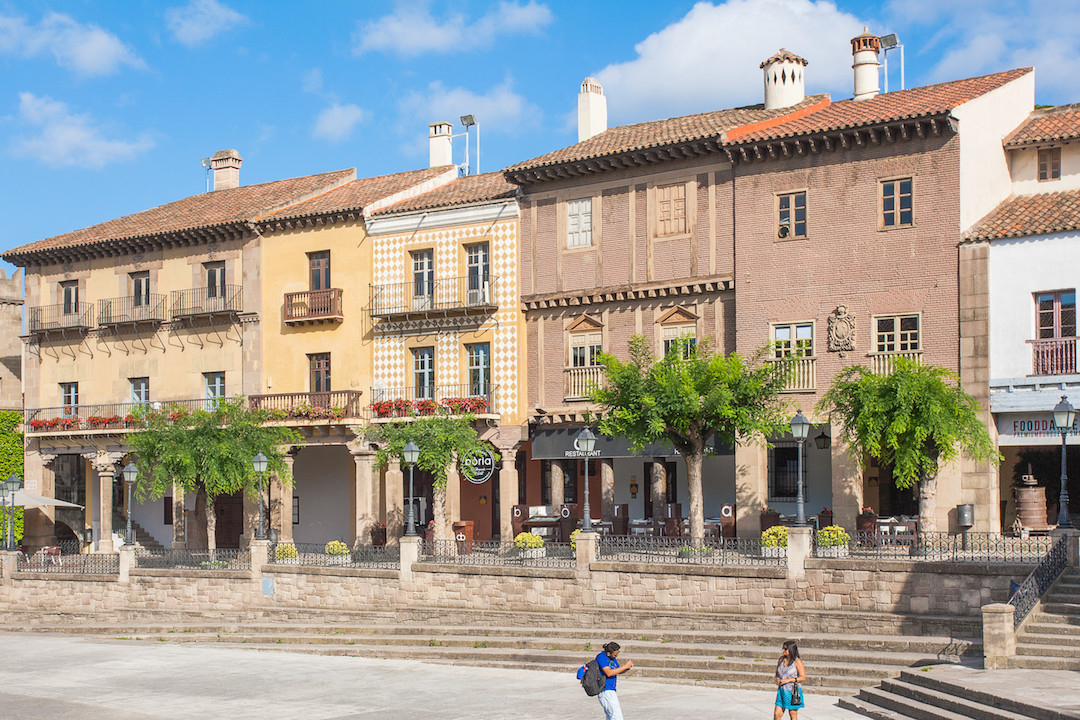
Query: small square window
[
  {"x": 791, "y": 215},
  {"x": 791, "y": 338},
  {"x": 897, "y": 334},
  {"x": 896, "y": 203},
  {"x": 1049, "y": 164}
]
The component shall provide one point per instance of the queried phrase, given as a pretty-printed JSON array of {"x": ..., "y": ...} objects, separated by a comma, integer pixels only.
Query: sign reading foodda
[{"x": 478, "y": 466}]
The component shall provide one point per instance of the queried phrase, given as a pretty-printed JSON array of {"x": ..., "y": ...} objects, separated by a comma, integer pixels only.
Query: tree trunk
[
  {"x": 438, "y": 511},
  {"x": 697, "y": 507},
  {"x": 928, "y": 503},
  {"x": 211, "y": 526}
]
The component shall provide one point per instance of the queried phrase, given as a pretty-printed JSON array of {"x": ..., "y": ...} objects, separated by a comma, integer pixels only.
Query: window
[
  {"x": 788, "y": 339},
  {"x": 791, "y": 215},
  {"x": 296, "y": 510},
  {"x": 319, "y": 270},
  {"x": 215, "y": 279},
  {"x": 897, "y": 334},
  {"x": 579, "y": 223},
  {"x": 584, "y": 349},
  {"x": 319, "y": 372},
  {"x": 424, "y": 373},
  {"x": 140, "y": 390},
  {"x": 676, "y": 335},
  {"x": 215, "y": 388},
  {"x": 671, "y": 210},
  {"x": 478, "y": 267},
  {"x": 1055, "y": 314},
  {"x": 1049, "y": 164},
  {"x": 168, "y": 510},
  {"x": 69, "y": 392},
  {"x": 69, "y": 296},
  {"x": 784, "y": 471},
  {"x": 479, "y": 356},
  {"x": 140, "y": 288},
  {"x": 896, "y": 203},
  {"x": 423, "y": 263}
]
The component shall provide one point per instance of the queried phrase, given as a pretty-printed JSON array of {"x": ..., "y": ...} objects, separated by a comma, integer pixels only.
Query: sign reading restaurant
[{"x": 1031, "y": 429}]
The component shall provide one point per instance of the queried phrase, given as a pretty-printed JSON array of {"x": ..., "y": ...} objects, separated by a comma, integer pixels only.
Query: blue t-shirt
[{"x": 608, "y": 662}]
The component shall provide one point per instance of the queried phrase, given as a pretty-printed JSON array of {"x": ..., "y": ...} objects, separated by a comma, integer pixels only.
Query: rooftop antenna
[
  {"x": 892, "y": 42},
  {"x": 206, "y": 164},
  {"x": 469, "y": 121}
]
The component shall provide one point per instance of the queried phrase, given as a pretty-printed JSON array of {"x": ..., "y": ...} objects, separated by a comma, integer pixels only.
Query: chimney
[
  {"x": 226, "y": 167},
  {"x": 865, "y": 49},
  {"x": 440, "y": 145},
  {"x": 784, "y": 84},
  {"x": 591, "y": 109}
]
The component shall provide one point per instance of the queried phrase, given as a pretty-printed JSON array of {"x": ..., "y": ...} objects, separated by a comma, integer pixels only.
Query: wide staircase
[{"x": 843, "y": 651}]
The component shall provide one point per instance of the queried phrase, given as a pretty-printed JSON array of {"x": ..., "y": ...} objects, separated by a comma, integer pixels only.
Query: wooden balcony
[
  {"x": 322, "y": 406},
  {"x": 313, "y": 306},
  {"x": 884, "y": 363},
  {"x": 581, "y": 380},
  {"x": 1053, "y": 356}
]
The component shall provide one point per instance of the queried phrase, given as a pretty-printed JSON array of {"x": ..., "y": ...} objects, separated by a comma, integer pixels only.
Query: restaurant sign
[{"x": 1018, "y": 429}]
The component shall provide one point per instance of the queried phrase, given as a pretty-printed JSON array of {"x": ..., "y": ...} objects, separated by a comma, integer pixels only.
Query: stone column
[
  {"x": 453, "y": 496},
  {"x": 658, "y": 488},
  {"x": 585, "y": 548},
  {"x": 558, "y": 482},
  {"x": 179, "y": 519},
  {"x": 508, "y": 492},
  {"x": 394, "y": 502},
  {"x": 751, "y": 487},
  {"x": 847, "y": 482},
  {"x": 999, "y": 636},
  {"x": 365, "y": 489},
  {"x": 410, "y": 553},
  {"x": 799, "y": 547},
  {"x": 259, "y": 550},
  {"x": 285, "y": 507},
  {"x": 127, "y": 561},
  {"x": 607, "y": 489},
  {"x": 105, "y": 466}
]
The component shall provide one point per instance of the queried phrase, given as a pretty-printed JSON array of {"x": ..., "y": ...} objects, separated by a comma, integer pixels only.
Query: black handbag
[{"x": 796, "y": 694}]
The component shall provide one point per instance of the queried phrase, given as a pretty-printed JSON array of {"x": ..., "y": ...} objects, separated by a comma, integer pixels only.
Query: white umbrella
[{"x": 29, "y": 499}]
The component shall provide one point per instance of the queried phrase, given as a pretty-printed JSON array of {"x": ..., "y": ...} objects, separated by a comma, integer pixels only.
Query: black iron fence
[
  {"x": 118, "y": 311},
  {"x": 496, "y": 553},
  {"x": 104, "y": 416},
  {"x": 67, "y": 557},
  {"x": 335, "y": 553},
  {"x": 466, "y": 294},
  {"x": 216, "y": 300},
  {"x": 65, "y": 316},
  {"x": 684, "y": 551},
  {"x": 224, "y": 559},
  {"x": 972, "y": 547},
  {"x": 1040, "y": 580}
]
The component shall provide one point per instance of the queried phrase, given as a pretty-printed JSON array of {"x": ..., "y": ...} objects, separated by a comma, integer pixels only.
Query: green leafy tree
[
  {"x": 914, "y": 419},
  {"x": 441, "y": 440},
  {"x": 207, "y": 453},
  {"x": 687, "y": 396},
  {"x": 11, "y": 462}
]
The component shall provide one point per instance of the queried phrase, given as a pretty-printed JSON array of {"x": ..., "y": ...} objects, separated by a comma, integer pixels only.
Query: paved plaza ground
[{"x": 52, "y": 676}]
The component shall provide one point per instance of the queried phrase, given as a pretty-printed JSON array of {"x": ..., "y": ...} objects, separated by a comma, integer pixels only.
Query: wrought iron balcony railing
[
  {"x": 206, "y": 301},
  {"x": 1053, "y": 356},
  {"x": 132, "y": 310},
  {"x": 333, "y": 405},
  {"x": 424, "y": 400},
  {"x": 103, "y": 416},
  {"x": 312, "y": 306},
  {"x": 65, "y": 316},
  {"x": 465, "y": 295}
]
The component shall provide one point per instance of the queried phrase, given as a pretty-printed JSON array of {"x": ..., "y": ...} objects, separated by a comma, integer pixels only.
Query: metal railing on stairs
[{"x": 1031, "y": 591}]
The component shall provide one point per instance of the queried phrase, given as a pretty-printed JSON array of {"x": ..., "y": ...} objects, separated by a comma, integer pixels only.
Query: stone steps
[{"x": 1047, "y": 640}]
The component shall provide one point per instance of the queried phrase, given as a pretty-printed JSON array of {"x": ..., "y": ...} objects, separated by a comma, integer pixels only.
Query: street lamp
[
  {"x": 259, "y": 462},
  {"x": 410, "y": 454},
  {"x": 1064, "y": 415},
  {"x": 585, "y": 442},
  {"x": 14, "y": 484},
  {"x": 800, "y": 428},
  {"x": 823, "y": 441},
  {"x": 130, "y": 472},
  {"x": 7, "y": 513}
]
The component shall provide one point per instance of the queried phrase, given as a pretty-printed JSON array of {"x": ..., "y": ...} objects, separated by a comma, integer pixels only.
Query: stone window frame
[
  {"x": 1048, "y": 164},
  {"x": 792, "y": 224},
  {"x": 592, "y": 341},
  {"x": 898, "y": 206},
  {"x": 677, "y": 323},
  {"x": 877, "y": 341},
  {"x": 68, "y": 293},
  {"x": 584, "y": 211},
  {"x": 794, "y": 325}
]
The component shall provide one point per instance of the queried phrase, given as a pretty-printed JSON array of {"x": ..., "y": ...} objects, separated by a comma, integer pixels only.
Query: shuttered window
[
  {"x": 579, "y": 223},
  {"x": 671, "y": 210}
]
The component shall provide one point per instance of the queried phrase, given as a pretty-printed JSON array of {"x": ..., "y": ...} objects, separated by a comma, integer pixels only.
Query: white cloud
[
  {"x": 709, "y": 59},
  {"x": 201, "y": 20},
  {"x": 84, "y": 49},
  {"x": 412, "y": 30},
  {"x": 65, "y": 139},
  {"x": 336, "y": 122},
  {"x": 500, "y": 109}
]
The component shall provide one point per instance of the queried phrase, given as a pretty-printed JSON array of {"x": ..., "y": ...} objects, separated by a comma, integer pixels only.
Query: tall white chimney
[
  {"x": 226, "y": 167},
  {"x": 784, "y": 84},
  {"x": 591, "y": 109},
  {"x": 440, "y": 145},
  {"x": 864, "y": 49}
]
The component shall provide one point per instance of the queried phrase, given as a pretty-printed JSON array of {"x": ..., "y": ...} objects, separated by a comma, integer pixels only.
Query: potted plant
[
  {"x": 378, "y": 534},
  {"x": 769, "y": 518},
  {"x": 832, "y": 541},
  {"x": 573, "y": 539},
  {"x": 824, "y": 518},
  {"x": 286, "y": 553},
  {"x": 866, "y": 522},
  {"x": 774, "y": 541},
  {"x": 337, "y": 552},
  {"x": 530, "y": 545}
]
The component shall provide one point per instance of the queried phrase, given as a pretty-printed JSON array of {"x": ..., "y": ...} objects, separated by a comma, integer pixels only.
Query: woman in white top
[{"x": 789, "y": 671}]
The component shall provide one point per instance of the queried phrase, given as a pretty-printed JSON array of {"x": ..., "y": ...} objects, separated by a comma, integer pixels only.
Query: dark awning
[{"x": 557, "y": 443}]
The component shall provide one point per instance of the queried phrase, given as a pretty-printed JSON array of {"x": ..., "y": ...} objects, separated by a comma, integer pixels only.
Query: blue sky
[{"x": 106, "y": 108}]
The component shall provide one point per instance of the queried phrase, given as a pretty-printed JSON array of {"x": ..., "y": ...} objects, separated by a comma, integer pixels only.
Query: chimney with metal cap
[
  {"x": 591, "y": 109},
  {"x": 226, "y": 167},
  {"x": 864, "y": 49},
  {"x": 784, "y": 83},
  {"x": 440, "y": 145}
]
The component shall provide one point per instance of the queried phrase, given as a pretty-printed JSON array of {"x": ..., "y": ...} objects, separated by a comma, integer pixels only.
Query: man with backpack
[{"x": 598, "y": 678}]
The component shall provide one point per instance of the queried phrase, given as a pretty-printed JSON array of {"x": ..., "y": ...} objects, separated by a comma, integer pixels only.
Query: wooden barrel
[{"x": 1031, "y": 506}]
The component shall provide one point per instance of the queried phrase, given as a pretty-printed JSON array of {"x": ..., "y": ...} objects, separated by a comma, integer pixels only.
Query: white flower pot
[
  {"x": 832, "y": 551},
  {"x": 773, "y": 552}
]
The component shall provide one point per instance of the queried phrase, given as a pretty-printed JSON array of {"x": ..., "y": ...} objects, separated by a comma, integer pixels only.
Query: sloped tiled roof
[
  {"x": 658, "y": 133},
  {"x": 904, "y": 104},
  {"x": 208, "y": 210},
  {"x": 469, "y": 190},
  {"x": 1047, "y": 125},
  {"x": 1026, "y": 215},
  {"x": 356, "y": 195}
]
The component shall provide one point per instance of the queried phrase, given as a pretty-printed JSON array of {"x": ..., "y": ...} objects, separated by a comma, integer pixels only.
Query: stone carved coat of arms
[{"x": 841, "y": 330}]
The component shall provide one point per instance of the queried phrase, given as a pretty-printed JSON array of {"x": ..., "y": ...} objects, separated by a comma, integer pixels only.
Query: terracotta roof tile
[
  {"x": 1026, "y": 215},
  {"x": 781, "y": 55},
  {"x": 470, "y": 190},
  {"x": 657, "y": 133},
  {"x": 913, "y": 103},
  {"x": 221, "y": 207},
  {"x": 1047, "y": 125},
  {"x": 357, "y": 195}
]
